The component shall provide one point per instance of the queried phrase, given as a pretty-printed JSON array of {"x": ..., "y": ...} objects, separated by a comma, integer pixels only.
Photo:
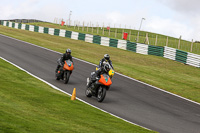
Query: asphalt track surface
[{"x": 127, "y": 98}]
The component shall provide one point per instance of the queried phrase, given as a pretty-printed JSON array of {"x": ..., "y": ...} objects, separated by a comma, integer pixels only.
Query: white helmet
[
  {"x": 106, "y": 57},
  {"x": 68, "y": 51}
]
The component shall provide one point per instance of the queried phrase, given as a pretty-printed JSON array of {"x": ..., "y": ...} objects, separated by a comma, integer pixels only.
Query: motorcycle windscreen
[
  {"x": 68, "y": 65},
  {"x": 105, "y": 80}
]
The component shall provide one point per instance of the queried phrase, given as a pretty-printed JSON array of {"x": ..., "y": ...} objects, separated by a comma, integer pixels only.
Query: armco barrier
[
  {"x": 113, "y": 42},
  {"x": 13, "y": 25},
  {"x": 74, "y": 35},
  {"x": 19, "y": 26},
  {"x": 51, "y": 31},
  {"x": 131, "y": 46},
  {"x": 193, "y": 60},
  {"x": 56, "y": 32},
  {"x": 10, "y": 24},
  {"x": 31, "y": 28},
  {"x": 16, "y": 26},
  {"x": 36, "y": 28},
  {"x": 26, "y": 27},
  {"x": 122, "y": 44},
  {"x": 41, "y": 29},
  {"x": 166, "y": 52},
  {"x": 4, "y": 23},
  {"x": 181, "y": 56},
  {"x": 46, "y": 30},
  {"x": 23, "y": 26},
  {"x": 170, "y": 53},
  {"x": 105, "y": 41},
  {"x": 89, "y": 38},
  {"x": 81, "y": 36},
  {"x": 97, "y": 39},
  {"x": 142, "y": 49},
  {"x": 155, "y": 50},
  {"x": 68, "y": 34},
  {"x": 7, "y": 23},
  {"x": 62, "y": 33}
]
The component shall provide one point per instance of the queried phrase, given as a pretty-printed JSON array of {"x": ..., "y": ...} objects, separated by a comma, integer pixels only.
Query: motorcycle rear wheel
[
  {"x": 57, "y": 78},
  {"x": 88, "y": 92}
]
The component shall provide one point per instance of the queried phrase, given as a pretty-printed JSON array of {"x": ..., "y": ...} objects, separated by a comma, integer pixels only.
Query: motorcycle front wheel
[
  {"x": 101, "y": 94},
  {"x": 66, "y": 77}
]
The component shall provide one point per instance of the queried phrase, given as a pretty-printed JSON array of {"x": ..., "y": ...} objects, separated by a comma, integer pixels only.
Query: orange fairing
[
  {"x": 103, "y": 81},
  {"x": 68, "y": 66}
]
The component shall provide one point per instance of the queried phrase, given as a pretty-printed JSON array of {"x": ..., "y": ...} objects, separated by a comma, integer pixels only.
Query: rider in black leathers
[
  {"x": 105, "y": 59},
  {"x": 65, "y": 56},
  {"x": 96, "y": 75}
]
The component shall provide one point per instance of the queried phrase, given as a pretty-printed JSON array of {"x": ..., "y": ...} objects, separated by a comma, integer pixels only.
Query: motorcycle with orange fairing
[
  {"x": 99, "y": 87},
  {"x": 65, "y": 71}
]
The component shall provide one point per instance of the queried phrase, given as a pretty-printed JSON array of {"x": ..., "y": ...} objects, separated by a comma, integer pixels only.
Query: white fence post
[
  {"x": 191, "y": 46},
  {"x": 167, "y": 42},
  {"x": 179, "y": 42},
  {"x": 156, "y": 40}
]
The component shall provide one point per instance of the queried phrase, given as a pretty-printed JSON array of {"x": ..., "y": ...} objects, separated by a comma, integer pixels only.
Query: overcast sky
[{"x": 168, "y": 17}]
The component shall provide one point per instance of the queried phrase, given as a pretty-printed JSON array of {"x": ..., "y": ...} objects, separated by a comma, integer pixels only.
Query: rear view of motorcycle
[
  {"x": 99, "y": 87},
  {"x": 65, "y": 71}
]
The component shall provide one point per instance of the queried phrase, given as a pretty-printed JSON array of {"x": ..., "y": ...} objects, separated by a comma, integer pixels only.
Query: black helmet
[
  {"x": 106, "y": 68},
  {"x": 106, "y": 57},
  {"x": 68, "y": 51}
]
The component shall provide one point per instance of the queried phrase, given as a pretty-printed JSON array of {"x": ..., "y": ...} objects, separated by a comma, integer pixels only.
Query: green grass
[
  {"x": 161, "y": 39},
  {"x": 29, "y": 105},
  {"x": 166, "y": 74}
]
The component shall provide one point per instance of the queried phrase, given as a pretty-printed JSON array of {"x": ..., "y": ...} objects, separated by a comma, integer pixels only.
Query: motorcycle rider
[
  {"x": 96, "y": 75},
  {"x": 65, "y": 56},
  {"x": 104, "y": 61}
]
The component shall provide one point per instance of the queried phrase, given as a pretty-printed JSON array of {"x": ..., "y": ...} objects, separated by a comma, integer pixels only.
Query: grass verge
[
  {"x": 29, "y": 105},
  {"x": 166, "y": 74}
]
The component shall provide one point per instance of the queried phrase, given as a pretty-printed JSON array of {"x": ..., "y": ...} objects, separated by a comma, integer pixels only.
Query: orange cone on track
[{"x": 73, "y": 97}]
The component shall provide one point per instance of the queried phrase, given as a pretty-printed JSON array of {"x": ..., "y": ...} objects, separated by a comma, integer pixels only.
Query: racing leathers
[{"x": 103, "y": 61}]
